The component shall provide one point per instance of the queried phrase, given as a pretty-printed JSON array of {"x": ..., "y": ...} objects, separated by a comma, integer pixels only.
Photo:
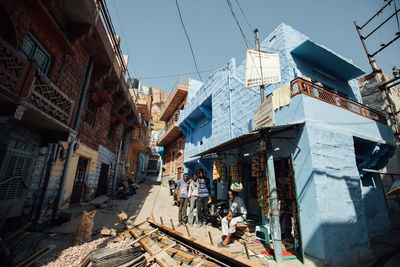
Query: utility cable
[
  {"x": 174, "y": 75},
  {"x": 187, "y": 36},
  {"x": 246, "y": 42},
  {"x": 124, "y": 35},
  {"x": 248, "y": 23},
  {"x": 397, "y": 17}
]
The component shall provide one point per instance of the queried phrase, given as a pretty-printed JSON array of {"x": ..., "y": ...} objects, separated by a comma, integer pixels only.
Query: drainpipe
[
  {"x": 73, "y": 136},
  {"x": 51, "y": 160},
  {"x": 116, "y": 167}
]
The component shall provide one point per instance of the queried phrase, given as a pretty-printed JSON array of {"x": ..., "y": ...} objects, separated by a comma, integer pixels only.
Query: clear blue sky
[{"x": 153, "y": 37}]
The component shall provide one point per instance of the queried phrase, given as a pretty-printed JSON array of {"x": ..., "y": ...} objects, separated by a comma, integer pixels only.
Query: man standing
[
  {"x": 204, "y": 198},
  {"x": 193, "y": 195},
  {"x": 237, "y": 213},
  {"x": 182, "y": 197}
]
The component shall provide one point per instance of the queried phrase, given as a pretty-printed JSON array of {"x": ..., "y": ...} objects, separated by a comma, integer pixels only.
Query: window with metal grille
[
  {"x": 17, "y": 165},
  {"x": 32, "y": 49},
  {"x": 90, "y": 114},
  {"x": 152, "y": 165}
]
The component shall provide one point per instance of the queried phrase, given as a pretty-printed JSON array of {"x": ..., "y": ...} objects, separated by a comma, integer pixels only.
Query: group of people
[{"x": 197, "y": 192}]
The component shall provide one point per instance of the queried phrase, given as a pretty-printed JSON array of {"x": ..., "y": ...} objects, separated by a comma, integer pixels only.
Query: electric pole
[
  {"x": 262, "y": 88},
  {"x": 383, "y": 83}
]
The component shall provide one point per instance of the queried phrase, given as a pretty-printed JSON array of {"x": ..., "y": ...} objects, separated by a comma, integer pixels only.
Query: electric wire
[
  {"x": 113, "y": 30},
  {"x": 241, "y": 10},
  {"x": 124, "y": 36},
  {"x": 397, "y": 17},
  {"x": 174, "y": 75},
  {"x": 246, "y": 42},
  {"x": 187, "y": 36}
]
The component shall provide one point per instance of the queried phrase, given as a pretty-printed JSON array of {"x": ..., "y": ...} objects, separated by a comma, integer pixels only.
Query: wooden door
[
  {"x": 79, "y": 180},
  {"x": 179, "y": 173},
  {"x": 102, "y": 185}
]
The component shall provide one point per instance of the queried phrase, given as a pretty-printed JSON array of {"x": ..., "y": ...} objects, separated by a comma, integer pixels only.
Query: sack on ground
[{"x": 85, "y": 228}]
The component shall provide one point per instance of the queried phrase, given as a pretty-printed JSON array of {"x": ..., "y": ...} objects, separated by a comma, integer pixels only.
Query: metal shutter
[{"x": 17, "y": 164}]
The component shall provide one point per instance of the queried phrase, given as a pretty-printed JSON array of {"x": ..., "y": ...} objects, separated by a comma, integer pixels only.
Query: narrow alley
[{"x": 199, "y": 133}]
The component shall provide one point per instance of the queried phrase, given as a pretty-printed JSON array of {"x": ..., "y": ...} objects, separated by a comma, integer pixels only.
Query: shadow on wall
[{"x": 348, "y": 219}]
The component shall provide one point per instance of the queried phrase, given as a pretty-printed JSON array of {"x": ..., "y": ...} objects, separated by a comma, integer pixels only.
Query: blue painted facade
[{"x": 341, "y": 206}]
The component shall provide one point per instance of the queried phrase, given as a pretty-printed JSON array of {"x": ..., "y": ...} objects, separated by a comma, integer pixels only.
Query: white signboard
[
  {"x": 264, "y": 114},
  {"x": 262, "y": 68}
]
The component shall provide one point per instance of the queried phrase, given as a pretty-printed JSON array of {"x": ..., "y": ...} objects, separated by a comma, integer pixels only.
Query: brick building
[
  {"x": 159, "y": 98},
  {"x": 66, "y": 113},
  {"x": 171, "y": 138},
  {"x": 140, "y": 136}
]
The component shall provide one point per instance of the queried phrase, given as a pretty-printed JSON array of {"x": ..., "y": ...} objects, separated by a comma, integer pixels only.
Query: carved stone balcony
[
  {"x": 47, "y": 97},
  {"x": 22, "y": 82},
  {"x": 13, "y": 69}
]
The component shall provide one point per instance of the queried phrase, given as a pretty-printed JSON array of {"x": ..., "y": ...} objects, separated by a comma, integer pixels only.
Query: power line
[
  {"x": 173, "y": 75},
  {"x": 113, "y": 32},
  {"x": 123, "y": 34},
  {"x": 248, "y": 23},
  {"x": 246, "y": 42},
  {"x": 187, "y": 36}
]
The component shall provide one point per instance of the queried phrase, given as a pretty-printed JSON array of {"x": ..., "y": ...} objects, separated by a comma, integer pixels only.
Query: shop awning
[{"x": 249, "y": 138}]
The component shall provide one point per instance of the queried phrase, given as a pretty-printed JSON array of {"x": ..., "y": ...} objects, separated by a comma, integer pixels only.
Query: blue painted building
[{"x": 332, "y": 139}]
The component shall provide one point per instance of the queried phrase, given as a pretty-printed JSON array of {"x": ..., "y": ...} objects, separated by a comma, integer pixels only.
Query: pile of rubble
[{"x": 144, "y": 244}]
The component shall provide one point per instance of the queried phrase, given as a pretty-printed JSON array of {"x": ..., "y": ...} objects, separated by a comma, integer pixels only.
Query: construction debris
[
  {"x": 146, "y": 244},
  {"x": 72, "y": 256}
]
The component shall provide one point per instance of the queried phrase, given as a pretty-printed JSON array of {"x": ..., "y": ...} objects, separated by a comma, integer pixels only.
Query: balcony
[
  {"x": 301, "y": 86},
  {"x": 143, "y": 104},
  {"x": 171, "y": 131},
  {"x": 174, "y": 100},
  {"x": 21, "y": 81},
  {"x": 139, "y": 139}
]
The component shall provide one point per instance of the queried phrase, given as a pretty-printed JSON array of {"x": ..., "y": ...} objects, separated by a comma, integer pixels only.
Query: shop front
[{"x": 268, "y": 190}]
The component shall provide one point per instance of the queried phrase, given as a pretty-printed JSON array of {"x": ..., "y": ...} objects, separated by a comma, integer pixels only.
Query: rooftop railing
[{"x": 302, "y": 86}]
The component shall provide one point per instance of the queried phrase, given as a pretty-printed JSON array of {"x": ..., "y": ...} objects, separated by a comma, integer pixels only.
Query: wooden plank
[
  {"x": 162, "y": 250},
  {"x": 214, "y": 252},
  {"x": 163, "y": 259}
]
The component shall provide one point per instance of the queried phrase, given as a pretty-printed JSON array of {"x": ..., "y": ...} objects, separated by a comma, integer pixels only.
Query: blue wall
[{"x": 335, "y": 206}]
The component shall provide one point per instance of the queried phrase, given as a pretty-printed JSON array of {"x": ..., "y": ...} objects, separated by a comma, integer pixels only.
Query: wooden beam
[
  {"x": 214, "y": 252},
  {"x": 163, "y": 259},
  {"x": 162, "y": 250}
]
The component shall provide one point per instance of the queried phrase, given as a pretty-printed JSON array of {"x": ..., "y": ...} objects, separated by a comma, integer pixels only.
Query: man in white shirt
[{"x": 237, "y": 213}]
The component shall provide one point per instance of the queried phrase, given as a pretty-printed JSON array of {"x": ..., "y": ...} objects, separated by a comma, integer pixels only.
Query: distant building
[
  {"x": 171, "y": 138},
  {"x": 372, "y": 96},
  {"x": 159, "y": 98},
  {"x": 140, "y": 135},
  {"x": 323, "y": 141}
]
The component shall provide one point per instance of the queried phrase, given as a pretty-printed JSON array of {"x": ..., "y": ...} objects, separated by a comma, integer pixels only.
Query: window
[
  {"x": 111, "y": 131},
  {"x": 32, "y": 49},
  {"x": 152, "y": 165},
  {"x": 90, "y": 112}
]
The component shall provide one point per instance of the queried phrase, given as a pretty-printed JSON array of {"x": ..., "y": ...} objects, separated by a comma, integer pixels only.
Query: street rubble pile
[
  {"x": 144, "y": 244},
  {"x": 73, "y": 256}
]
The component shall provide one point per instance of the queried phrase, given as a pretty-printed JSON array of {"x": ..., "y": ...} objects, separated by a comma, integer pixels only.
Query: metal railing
[
  {"x": 111, "y": 32},
  {"x": 301, "y": 86},
  {"x": 180, "y": 81}
]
